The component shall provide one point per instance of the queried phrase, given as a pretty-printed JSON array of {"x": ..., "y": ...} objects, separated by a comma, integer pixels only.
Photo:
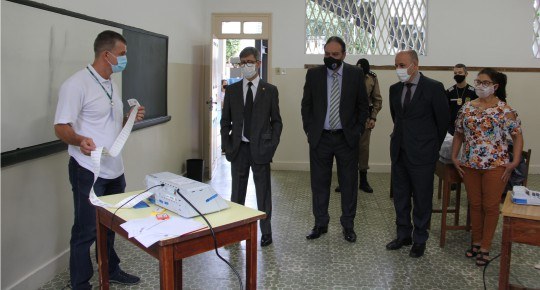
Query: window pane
[
  {"x": 370, "y": 27},
  {"x": 230, "y": 27},
  {"x": 253, "y": 27}
]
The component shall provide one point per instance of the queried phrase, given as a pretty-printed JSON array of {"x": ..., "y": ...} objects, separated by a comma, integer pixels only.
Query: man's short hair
[
  {"x": 338, "y": 40},
  {"x": 106, "y": 40},
  {"x": 412, "y": 54},
  {"x": 460, "y": 65},
  {"x": 250, "y": 50}
]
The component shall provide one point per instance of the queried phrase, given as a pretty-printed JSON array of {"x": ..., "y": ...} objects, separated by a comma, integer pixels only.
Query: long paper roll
[{"x": 116, "y": 149}]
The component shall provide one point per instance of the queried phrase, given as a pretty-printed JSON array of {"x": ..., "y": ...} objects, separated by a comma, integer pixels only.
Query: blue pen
[{"x": 212, "y": 197}]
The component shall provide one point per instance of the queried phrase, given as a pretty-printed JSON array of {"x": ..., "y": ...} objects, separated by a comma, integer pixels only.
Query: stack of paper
[{"x": 150, "y": 230}]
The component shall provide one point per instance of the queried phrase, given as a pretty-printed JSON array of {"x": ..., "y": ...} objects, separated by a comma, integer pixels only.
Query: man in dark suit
[
  {"x": 250, "y": 131},
  {"x": 420, "y": 113},
  {"x": 334, "y": 114}
]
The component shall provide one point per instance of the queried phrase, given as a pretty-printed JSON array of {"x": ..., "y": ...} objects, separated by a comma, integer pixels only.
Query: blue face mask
[{"x": 121, "y": 63}]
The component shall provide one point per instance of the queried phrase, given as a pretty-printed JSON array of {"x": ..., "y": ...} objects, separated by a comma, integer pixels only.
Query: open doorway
[{"x": 231, "y": 33}]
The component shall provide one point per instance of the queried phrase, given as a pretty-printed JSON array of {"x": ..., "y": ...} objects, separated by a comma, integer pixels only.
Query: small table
[
  {"x": 232, "y": 225},
  {"x": 521, "y": 224},
  {"x": 448, "y": 175}
]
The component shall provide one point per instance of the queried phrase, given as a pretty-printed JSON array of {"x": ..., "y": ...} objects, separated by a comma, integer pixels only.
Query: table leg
[
  {"x": 167, "y": 269},
  {"x": 103, "y": 262},
  {"x": 439, "y": 188},
  {"x": 506, "y": 251},
  {"x": 444, "y": 212},
  {"x": 178, "y": 274},
  {"x": 251, "y": 258}
]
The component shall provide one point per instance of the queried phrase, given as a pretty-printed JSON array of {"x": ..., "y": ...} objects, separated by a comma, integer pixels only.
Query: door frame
[{"x": 216, "y": 33}]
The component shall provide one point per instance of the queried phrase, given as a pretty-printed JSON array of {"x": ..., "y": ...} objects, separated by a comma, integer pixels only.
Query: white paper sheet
[{"x": 150, "y": 230}]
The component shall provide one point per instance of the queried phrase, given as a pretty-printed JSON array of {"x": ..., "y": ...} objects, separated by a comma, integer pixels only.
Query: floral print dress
[{"x": 487, "y": 134}]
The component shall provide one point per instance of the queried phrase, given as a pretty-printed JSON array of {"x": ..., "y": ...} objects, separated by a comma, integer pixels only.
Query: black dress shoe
[
  {"x": 417, "y": 250},
  {"x": 337, "y": 189},
  {"x": 366, "y": 188},
  {"x": 316, "y": 232},
  {"x": 266, "y": 240},
  {"x": 349, "y": 235},
  {"x": 398, "y": 243}
]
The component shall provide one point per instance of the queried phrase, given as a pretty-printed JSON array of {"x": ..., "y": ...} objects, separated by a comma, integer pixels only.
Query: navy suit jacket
[
  {"x": 266, "y": 122},
  {"x": 353, "y": 106},
  {"x": 420, "y": 129}
]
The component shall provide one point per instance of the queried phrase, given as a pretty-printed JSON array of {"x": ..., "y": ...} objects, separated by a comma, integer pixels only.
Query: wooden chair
[{"x": 527, "y": 156}]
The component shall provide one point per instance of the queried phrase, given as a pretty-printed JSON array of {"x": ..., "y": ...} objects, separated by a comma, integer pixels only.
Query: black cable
[
  {"x": 485, "y": 267},
  {"x": 114, "y": 214},
  {"x": 215, "y": 239}
]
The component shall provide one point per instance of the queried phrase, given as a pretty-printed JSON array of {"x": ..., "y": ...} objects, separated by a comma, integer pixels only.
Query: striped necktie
[{"x": 334, "y": 102}]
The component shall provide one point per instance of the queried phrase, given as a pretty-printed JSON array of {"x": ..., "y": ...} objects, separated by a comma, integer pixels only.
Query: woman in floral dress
[{"x": 484, "y": 127}]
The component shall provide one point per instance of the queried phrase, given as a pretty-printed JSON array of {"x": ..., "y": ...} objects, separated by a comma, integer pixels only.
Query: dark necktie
[
  {"x": 248, "y": 107},
  {"x": 407, "y": 99}
]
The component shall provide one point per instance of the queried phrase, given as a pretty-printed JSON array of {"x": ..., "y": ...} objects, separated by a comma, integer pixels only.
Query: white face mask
[
  {"x": 402, "y": 74},
  {"x": 249, "y": 71},
  {"x": 482, "y": 92}
]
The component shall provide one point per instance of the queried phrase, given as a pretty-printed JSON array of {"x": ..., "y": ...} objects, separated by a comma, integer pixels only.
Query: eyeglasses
[
  {"x": 248, "y": 63},
  {"x": 484, "y": 84}
]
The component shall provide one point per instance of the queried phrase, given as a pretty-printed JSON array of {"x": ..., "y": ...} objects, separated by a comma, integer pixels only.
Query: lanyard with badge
[{"x": 107, "y": 93}]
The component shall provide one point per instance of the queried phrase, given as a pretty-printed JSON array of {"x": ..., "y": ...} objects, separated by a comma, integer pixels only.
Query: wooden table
[
  {"x": 233, "y": 225},
  {"x": 521, "y": 224},
  {"x": 448, "y": 175}
]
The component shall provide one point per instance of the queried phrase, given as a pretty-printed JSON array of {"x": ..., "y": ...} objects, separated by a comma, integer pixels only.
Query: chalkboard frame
[{"x": 44, "y": 149}]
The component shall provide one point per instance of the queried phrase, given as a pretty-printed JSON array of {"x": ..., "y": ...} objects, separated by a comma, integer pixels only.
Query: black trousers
[
  {"x": 261, "y": 176},
  {"x": 414, "y": 182},
  {"x": 321, "y": 161}
]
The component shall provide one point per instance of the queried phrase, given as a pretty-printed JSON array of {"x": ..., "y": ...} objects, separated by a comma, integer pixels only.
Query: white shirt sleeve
[{"x": 70, "y": 101}]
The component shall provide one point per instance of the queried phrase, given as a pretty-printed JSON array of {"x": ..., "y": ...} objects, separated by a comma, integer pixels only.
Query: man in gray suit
[
  {"x": 419, "y": 109},
  {"x": 334, "y": 114},
  {"x": 250, "y": 130}
]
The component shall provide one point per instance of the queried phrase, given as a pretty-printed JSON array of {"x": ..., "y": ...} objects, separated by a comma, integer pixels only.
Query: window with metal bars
[
  {"x": 381, "y": 27},
  {"x": 536, "y": 29}
]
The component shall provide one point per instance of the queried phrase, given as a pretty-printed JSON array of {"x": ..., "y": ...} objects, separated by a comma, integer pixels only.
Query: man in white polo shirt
[{"x": 89, "y": 115}]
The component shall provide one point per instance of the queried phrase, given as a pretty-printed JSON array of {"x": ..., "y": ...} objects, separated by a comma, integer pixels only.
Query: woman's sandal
[
  {"x": 482, "y": 259},
  {"x": 473, "y": 251}
]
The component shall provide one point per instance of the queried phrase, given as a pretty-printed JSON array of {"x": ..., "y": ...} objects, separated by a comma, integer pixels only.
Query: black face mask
[
  {"x": 332, "y": 63},
  {"x": 459, "y": 78},
  {"x": 224, "y": 87}
]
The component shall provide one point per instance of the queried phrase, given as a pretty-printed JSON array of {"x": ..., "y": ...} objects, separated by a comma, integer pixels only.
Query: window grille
[
  {"x": 536, "y": 28},
  {"x": 381, "y": 27}
]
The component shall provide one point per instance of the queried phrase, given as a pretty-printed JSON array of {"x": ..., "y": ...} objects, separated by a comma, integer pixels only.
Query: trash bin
[{"x": 195, "y": 169}]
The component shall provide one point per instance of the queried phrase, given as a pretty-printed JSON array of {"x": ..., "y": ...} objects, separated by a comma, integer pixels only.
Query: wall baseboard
[
  {"x": 43, "y": 274},
  {"x": 375, "y": 168},
  {"x": 304, "y": 166}
]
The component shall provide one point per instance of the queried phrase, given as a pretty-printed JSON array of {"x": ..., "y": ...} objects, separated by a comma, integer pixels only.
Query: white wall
[
  {"x": 37, "y": 207},
  {"x": 459, "y": 31}
]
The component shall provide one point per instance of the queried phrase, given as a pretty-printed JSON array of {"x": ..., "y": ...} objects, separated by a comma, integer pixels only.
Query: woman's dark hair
[{"x": 498, "y": 78}]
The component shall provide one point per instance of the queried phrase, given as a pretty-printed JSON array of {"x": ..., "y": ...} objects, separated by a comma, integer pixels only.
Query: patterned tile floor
[{"x": 292, "y": 262}]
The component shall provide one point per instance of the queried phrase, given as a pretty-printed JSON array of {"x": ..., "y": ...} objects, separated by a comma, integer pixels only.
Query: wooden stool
[{"x": 448, "y": 175}]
